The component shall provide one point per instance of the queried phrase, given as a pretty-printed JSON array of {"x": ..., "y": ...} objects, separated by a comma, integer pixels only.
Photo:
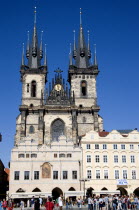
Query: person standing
[
  {"x": 22, "y": 204},
  {"x": 49, "y": 204},
  {"x": 32, "y": 202},
  {"x": 60, "y": 202},
  {"x": 4, "y": 204},
  {"x": 37, "y": 204}
]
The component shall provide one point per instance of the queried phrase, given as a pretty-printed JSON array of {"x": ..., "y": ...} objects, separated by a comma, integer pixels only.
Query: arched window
[
  {"x": 57, "y": 129},
  {"x": 33, "y": 155},
  {"x": 31, "y": 129},
  {"x": 84, "y": 88},
  {"x": 33, "y": 89}
]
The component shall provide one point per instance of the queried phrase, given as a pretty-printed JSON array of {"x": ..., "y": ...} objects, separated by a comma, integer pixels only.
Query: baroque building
[{"x": 56, "y": 124}]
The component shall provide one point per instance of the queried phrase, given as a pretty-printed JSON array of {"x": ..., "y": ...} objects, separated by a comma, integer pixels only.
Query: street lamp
[
  {"x": 84, "y": 180},
  {"x": 0, "y": 137}
]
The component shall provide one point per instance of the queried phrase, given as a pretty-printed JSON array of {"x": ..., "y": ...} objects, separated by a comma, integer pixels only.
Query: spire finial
[
  {"x": 23, "y": 60},
  {"x": 27, "y": 51},
  {"x": 80, "y": 17},
  {"x": 95, "y": 56},
  {"x": 35, "y": 19},
  {"x": 45, "y": 56},
  {"x": 70, "y": 56}
]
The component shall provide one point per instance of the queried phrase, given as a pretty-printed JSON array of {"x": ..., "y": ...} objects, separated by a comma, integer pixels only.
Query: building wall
[
  {"x": 88, "y": 100},
  {"x": 45, "y": 154},
  {"x": 92, "y": 138}
]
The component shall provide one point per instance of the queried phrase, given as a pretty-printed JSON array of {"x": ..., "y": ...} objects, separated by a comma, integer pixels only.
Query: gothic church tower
[{"x": 82, "y": 79}]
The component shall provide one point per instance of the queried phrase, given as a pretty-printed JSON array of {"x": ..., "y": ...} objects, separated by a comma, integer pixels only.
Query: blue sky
[{"x": 114, "y": 28}]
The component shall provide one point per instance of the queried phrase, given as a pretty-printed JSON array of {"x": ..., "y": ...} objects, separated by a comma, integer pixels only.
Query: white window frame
[
  {"x": 132, "y": 158},
  {"x": 131, "y": 146},
  {"x": 134, "y": 174},
  {"x": 97, "y": 158},
  {"x": 115, "y": 158},
  {"x": 122, "y": 146},
  {"x": 104, "y": 146},
  {"x": 106, "y": 176},
  {"x": 98, "y": 174},
  {"x": 125, "y": 174},
  {"x": 123, "y": 158},
  {"x": 89, "y": 174},
  {"x": 115, "y": 146},
  {"x": 105, "y": 158},
  {"x": 88, "y": 146},
  {"x": 96, "y": 146},
  {"x": 116, "y": 175},
  {"x": 88, "y": 158}
]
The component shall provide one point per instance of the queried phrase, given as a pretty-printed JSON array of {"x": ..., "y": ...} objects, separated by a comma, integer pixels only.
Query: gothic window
[
  {"x": 31, "y": 129},
  {"x": 27, "y": 88},
  {"x": 57, "y": 129},
  {"x": 33, "y": 89},
  {"x": 83, "y": 88}
]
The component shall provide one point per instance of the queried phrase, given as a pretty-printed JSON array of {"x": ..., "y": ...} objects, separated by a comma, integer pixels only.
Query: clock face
[{"x": 58, "y": 87}]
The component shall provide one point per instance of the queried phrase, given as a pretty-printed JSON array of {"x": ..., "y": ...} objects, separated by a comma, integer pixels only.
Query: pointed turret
[
  {"x": 95, "y": 56},
  {"x": 89, "y": 51},
  {"x": 82, "y": 58},
  {"x": 23, "y": 57},
  {"x": 74, "y": 47},
  {"x": 70, "y": 56},
  {"x": 27, "y": 51},
  {"x": 41, "y": 48},
  {"x": 45, "y": 57}
]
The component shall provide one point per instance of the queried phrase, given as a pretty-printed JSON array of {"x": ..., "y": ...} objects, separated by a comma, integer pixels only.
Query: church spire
[
  {"x": 34, "y": 53},
  {"x": 82, "y": 58}
]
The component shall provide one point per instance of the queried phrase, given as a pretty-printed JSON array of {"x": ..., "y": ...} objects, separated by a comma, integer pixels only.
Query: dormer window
[{"x": 33, "y": 89}]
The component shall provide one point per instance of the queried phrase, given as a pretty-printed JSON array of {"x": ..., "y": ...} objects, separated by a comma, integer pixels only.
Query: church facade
[{"x": 55, "y": 125}]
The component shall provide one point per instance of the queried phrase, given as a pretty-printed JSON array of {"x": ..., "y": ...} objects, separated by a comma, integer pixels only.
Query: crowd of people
[{"x": 106, "y": 202}]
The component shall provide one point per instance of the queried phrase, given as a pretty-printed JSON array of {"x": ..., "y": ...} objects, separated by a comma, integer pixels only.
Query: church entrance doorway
[{"x": 56, "y": 192}]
